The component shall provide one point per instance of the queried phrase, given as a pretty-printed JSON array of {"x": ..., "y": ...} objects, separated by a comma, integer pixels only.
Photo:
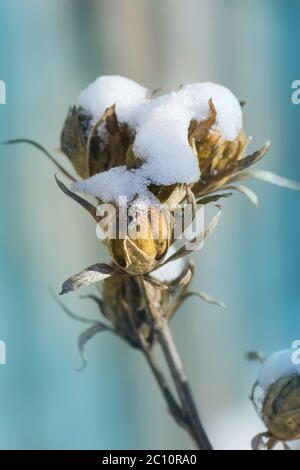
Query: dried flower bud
[
  {"x": 217, "y": 156},
  {"x": 281, "y": 408},
  {"x": 89, "y": 151},
  {"x": 214, "y": 152},
  {"x": 145, "y": 241},
  {"x": 277, "y": 396}
]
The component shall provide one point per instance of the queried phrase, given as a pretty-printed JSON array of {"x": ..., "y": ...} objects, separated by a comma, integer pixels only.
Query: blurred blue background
[{"x": 49, "y": 51}]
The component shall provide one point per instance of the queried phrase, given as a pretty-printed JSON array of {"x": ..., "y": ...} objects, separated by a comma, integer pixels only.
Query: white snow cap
[
  {"x": 162, "y": 142},
  {"x": 161, "y": 132},
  {"x": 170, "y": 271},
  {"x": 112, "y": 89},
  {"x": 229, "y": 113},
  {"x": 278, "y": 365}
]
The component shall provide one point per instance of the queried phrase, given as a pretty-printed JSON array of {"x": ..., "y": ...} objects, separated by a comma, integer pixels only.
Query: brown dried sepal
[
  {"x": 123, "y": 306},
  {"x": 73, "y": 142}
]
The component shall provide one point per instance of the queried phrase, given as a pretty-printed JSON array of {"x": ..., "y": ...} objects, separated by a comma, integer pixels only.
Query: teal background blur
[{"x": 49, "y": 51}]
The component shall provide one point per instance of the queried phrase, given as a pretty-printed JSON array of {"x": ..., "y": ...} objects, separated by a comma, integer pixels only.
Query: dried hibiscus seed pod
[
  {"x": 145, "y": 242},
  {"x": 276, "y": 397}
]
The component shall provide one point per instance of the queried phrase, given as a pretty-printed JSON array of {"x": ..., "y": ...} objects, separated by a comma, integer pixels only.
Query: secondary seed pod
[
  {"x": 276, "y": 396},
  {"x": 218, "y": 158},
  {"x": 281, "y": 408}
]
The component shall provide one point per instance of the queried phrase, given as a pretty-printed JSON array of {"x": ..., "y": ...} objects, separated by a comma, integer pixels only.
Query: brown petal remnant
[
  {"x": 197, "y": 241},
  {"x": 90, "y": 208},
  {"x": 44, "y": 151}
]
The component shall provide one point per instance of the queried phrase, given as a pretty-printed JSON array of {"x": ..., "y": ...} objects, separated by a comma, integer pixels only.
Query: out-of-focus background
[{"x": 49, "y": 51}]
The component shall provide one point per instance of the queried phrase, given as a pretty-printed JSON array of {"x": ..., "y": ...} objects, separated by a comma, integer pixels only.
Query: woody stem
[
  {"x": 167, "y": 393},
  {"x": 165, "y": 339}
]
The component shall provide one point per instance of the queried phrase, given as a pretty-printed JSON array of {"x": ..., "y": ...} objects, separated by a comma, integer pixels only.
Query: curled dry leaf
[
  {"x": 95, "y": 273},
  {"x": 184, "y": 279},
  {"x": 268, "y": 177},
  {"x": 85, "y": 204},
  {"x": 70, "y": 314},
  {"x": 86, "y": 336},
  {"x": 98, "y": 301},
  {"x": 260, "y": 442},
  {"x": 212, "y": 198},
  {"x": 246, "y": 191},
  {"x": 197, "y": 241},
  {"x": 204, "y": 296},
  {"x": 44, "y": 151}
]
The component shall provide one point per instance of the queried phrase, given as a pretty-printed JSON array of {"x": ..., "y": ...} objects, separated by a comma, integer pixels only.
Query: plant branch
[
  {"x": 173, "y": 406},
  {"x": 189, "y": 411},
  {"x": 182, "y": 385}
]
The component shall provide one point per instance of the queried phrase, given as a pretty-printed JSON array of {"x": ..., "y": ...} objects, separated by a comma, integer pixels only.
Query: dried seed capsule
[
  {"x": 277, "y": 396},
  {"x": 281, "y": 408}
]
